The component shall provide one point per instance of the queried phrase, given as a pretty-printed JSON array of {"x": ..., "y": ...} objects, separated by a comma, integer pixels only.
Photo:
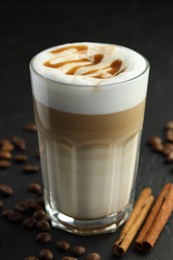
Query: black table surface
[{"x": 29, "y": 27}]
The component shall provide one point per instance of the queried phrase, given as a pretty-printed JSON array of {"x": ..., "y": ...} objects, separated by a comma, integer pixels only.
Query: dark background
[{"x": 28, "y": 27}]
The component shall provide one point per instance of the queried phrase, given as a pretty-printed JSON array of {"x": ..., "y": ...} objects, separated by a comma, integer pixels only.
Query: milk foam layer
[
  {"x": 89, "y": 78},
  {"x": 91, "y": 62}
]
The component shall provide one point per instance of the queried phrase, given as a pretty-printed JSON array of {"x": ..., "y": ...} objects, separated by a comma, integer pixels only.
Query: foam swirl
[{"x": 87, "y": 62}]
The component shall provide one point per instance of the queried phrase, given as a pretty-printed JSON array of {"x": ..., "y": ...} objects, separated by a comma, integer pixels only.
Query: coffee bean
[
  {"x": 19, "y": 142},
  {"x": 6, "y": 190},
  {"x": 35, "y": 187},
  {"x": 44, "y": 238},
  {"x": 4, "y": 141},
  {"x": 15, "y": 217},
  {"x": 167, "y": 148},
  {"x": 169, "y": 138},
  {"x": 29, "y": 223},
  {"x": 7, "y": 146},
  {"x": 20, "y": 158},
  {"x": 30, "y": 201},
  {"x": 33, "y": 204},
  {"x": 39, "y": 214},
  {"x": 1, "y": 203},
  {"x": 45, "y": 218},
  {"x": 169, "y": 135},
  {"x": 45, "y": 254},
  {"x": 154, "y": 140},
  {"x": 30, "y": 127},
  {"x": 157, "y": 147},
  {"x": 5, "y": 164},
  {"x": 169, "y": 125},
  {"x": 93, "y": 256},
  {"x": 5, "y": 155},
  {"x": 169, "y": 157},
  {"x": 31, "y": 258},
  {"x": 22, "y": 206},
  {"x": 63, "y": 246},
  {"x": 31, "y": 168},
  {"x": 43, "y": 225},
  {"x": 78, "y": 251},
  {"x": 69, "y": 258},
  {"x": 7, "y": 212}
]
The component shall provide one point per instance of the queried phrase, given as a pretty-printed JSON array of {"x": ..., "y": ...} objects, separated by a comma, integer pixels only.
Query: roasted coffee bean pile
[
  {"x": 164, "y": 145},
  {"x": 30, "y": 213}
]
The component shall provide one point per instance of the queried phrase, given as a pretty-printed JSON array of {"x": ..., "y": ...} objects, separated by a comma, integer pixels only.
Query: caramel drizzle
[
  {"x": 112, "y": 70},
  {"x": 97, "y": 59},
  {"x": 61, "y": 64},
  {"x": 115, "y": 69},
  {"x": 77, "y": 47}
]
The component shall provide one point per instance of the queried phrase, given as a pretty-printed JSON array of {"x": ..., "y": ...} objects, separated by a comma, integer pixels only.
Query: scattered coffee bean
[
  {"x": 7, "y": 146},
  {"x": 1, "y": 203},
  {"x": 20, "y": 158},
  {"x": 33, "y": 204},
  {"x": 63, "y": 246},
  {"x": 43, "y": 225},
  {"x": 31, "y": 258},
  {"x": 5, "y": 164},
  {"x": 29, "y": 222},
  {"x": 169, "y": 125},
  {"x": 164, "y": 147},
  {"x": 78, "y": 251},
  {"x": 45, "y": 218},
  {"x": 44, "y": 238},
  {"x": 7, "y": 212},
  {"x": 93, "y": 256},
  {"x": 4, "y": 141},
  {"x": 30, "y": 201},
  {"x": 22, "y": 206},
  {"x": 169, "y": 135},
  {"x": 6, "y": 190},
  {"x": 69, "y": 258},
  {"x": 39, "y": 214},
  {"x": 158, "y": 148},
  {"x": 30, "y": 127},
  {"x": 154, "y": 140},
  {"x": 35, "y": 187},
  {"x": 5, "y": 155},
  {"x": 167, "y": 148},
  {"x": 45, "y": 254},
  {"x": 15, "y": 217},
  {"x": 31, "y": 168},
  {"x": 156, "y": 143},
  {"x": 19, "y": 142},
  {"x": 169, "y": 157}
]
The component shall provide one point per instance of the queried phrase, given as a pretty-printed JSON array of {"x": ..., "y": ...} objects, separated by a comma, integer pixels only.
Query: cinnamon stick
[
  {"x": 156, "y": 220},
  {"x": 134, "y": 222}
]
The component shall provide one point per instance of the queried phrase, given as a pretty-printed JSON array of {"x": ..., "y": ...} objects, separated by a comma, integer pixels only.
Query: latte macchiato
[{"x": 89, "y": 102}]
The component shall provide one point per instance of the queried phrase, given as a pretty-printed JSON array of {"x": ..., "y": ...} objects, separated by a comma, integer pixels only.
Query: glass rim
[{"x": 147, "y": 68}]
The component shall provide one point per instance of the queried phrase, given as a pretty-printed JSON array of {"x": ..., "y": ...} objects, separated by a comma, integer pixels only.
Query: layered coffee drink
[{"x": 89, "y": 102}]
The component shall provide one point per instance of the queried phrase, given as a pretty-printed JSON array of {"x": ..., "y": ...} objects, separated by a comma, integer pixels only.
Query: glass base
[{"x": 89, "y": 227}]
